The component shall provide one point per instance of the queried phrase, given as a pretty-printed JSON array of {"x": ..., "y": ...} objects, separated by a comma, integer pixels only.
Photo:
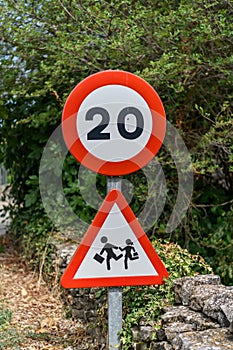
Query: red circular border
[{"x": 73, "y": 103}]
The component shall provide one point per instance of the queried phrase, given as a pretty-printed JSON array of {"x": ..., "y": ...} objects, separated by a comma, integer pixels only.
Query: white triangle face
[{"x": 115, "y": 251}]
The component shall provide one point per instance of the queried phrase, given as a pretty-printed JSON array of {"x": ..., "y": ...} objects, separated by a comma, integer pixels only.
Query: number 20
[{"x": 97, "y": 132}]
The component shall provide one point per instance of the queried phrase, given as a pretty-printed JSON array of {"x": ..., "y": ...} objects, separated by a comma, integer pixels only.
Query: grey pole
[{"x": 114, "y": 293}]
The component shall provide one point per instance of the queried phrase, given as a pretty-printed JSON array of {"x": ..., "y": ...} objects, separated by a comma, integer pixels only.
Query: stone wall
[
  {"x": 86, "y": 304},
  {"x": 202, "y": 318},
  {"x": 4, "y": 218}
]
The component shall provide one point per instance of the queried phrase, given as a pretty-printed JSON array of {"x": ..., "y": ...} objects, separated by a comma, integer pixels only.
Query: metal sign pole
[{"x": 114, "y": 293}]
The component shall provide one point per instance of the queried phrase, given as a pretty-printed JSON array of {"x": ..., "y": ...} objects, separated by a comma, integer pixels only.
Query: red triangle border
[{"x": 114, "y": 196}]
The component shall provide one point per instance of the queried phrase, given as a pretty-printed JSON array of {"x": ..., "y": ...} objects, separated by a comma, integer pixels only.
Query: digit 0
[{"x": 121, "y": 123}]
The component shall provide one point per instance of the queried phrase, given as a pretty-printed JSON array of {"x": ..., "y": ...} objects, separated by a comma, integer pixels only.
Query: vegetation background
[{"x": 184, "y": 49}]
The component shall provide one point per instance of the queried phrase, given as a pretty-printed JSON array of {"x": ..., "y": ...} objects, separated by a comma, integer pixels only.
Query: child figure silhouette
[{"x": 130, "y": 252}]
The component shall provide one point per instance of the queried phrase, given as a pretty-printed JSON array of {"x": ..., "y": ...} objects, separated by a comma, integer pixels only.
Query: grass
[{"x": 10, "y": 338}]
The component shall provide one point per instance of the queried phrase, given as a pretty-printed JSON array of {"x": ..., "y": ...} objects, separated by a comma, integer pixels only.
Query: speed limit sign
[{"x": 113, "y": 122}]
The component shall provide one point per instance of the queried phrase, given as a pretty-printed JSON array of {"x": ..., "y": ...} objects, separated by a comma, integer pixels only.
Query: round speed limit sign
[{"x": 113, "y": 122}]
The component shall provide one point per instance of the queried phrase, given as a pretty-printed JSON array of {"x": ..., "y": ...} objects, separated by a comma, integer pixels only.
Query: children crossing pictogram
[{"x": 129, "y": 250}]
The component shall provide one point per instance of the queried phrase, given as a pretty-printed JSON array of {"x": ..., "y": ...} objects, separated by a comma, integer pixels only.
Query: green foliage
[
  {"x": 182, "y": 48},
  {"x": 145, "y": 303},
  {"x": 213, "y": 236},
  {"x": 37, "y": 247},
  {"x": 9, "y": 337},
  {"x": 5, "y": 316},
  {"x": 33, "y": 233}
]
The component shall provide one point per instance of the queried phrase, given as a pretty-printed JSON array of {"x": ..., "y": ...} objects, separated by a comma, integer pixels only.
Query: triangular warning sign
[{"x": 115, "y": 251}]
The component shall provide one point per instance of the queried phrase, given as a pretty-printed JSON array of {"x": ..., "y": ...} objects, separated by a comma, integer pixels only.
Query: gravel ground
[{"x": 38, "y": 314}]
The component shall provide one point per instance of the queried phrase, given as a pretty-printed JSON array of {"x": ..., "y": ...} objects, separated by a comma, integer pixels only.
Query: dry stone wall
[
  {"x": 86, "y": 304},
  {"x": 202, "y": 318},
  {"x": 4, "y": 219}
]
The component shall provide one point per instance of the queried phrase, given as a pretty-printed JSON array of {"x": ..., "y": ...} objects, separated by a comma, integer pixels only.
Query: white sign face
[
  {"x": 115, "y": 252},
  {"x": 114, "y": 123}
]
